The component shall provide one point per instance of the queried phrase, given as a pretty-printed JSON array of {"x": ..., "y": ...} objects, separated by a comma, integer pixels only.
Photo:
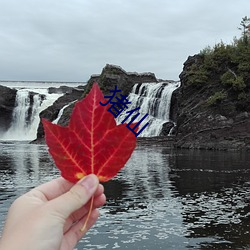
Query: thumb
[{"x": 76, "y": 197}]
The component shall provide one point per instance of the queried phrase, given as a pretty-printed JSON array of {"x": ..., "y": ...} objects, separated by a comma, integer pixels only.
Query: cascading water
[
  {"x": 153, "y": 99},
  {"x": 25, "y": 117},
  {"x": 20, "y": 112},
  {"x": 61, "y": 112}
]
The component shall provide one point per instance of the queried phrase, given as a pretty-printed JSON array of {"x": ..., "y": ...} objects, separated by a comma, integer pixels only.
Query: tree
[{"x": 245, "y": 28}]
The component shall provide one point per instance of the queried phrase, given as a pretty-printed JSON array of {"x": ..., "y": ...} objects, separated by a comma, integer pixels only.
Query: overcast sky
[{"x": 68, "y": 40}]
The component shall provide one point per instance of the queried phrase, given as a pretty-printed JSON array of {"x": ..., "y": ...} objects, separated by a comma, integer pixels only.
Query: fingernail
[{"x": 89, "y": 182}]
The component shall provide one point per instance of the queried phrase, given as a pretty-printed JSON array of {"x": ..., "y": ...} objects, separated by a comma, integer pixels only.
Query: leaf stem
[{"x": 84, "y": 228}]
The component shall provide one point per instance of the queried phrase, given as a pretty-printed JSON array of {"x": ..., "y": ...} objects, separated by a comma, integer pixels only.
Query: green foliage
[
  {"x": 206, "y": 51},
  {"x": 210, "y": 65},
  {"x": 239, "y": 84},
  {"x": 244, "y": 67},
  {"x": 232, "y": 80},
  {"x": 242, "y": 96},
  {"x": 245, "y": 22},
  {"x": 222, "y": 52},
  {"x": 216, "y": 98},
  {"x": 197, "y": 75},
  {"x": 226, "y": 67},
  {"x": 228, "y": 78}
]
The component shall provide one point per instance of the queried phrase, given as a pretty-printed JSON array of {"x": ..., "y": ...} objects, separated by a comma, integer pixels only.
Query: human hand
[{"x": 50, "y": 216}]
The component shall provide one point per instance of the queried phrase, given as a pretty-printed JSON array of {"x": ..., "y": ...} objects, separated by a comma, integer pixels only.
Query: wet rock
[
  {"x": 114, "y": 75},
  {"x": 110, "y": 77},
  {"x": 224, "y": 126},
  {"x": 166, "y": 128},
  {"x": 52, "y": 112},
  {"x": 64, "y": 89},
  {"x": 7, "y": 105}
]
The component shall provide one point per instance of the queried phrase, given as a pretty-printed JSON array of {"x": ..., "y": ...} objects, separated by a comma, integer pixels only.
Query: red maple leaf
[{"x": 92, "y": 142}]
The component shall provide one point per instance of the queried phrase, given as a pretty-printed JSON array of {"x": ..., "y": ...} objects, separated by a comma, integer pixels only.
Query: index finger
[{"x": 54, "y": 188}]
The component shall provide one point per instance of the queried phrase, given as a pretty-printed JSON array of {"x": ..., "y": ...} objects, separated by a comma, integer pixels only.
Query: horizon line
[{"x": 42, "y": 81}]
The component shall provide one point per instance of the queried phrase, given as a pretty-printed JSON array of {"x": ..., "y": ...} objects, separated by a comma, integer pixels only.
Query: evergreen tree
[{"x": 245, "y": 28}]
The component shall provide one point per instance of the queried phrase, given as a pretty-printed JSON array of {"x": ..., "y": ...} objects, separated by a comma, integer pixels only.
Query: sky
[{"x": 69, "y": 40}]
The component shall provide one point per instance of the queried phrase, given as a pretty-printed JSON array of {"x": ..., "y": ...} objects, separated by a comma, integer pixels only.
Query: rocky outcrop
[
  {"x": 167, "y": 129},
  {"x": 114, "y": 75},
  {"x": 64, "y": 89},
  {"x": 52, "y": 112},
  {"x": 7, "y": 104},
  {"x": 205, "y": 122},
  {"x": 111, "y": 75}
]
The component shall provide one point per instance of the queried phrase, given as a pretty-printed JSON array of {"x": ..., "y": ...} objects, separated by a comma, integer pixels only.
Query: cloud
[{"x": 70, "y": 40}]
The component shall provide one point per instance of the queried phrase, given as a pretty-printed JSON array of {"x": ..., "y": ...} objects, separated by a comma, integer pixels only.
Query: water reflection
[
  {"x": 214, "y": 187},
  {"x": 26, "y": 164},
  {"x": 22, "y": 167},
  {"x": 141, "y": 207},
  {"x": 160, "y": 200}
]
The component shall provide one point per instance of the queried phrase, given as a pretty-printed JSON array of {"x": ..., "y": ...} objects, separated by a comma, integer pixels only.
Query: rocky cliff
[
  {"x": 114, "y": 75},
  {"x": 211, "y": 108},
  {"x": 210, "y": 114},
  {"x": 7, "y": 104},
  {"x": 110, "y": 76},
  {"x": 51, "y": 113}
]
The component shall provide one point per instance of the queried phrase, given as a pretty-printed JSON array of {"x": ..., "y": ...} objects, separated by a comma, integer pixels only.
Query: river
[{"x": 162, "y": 199}]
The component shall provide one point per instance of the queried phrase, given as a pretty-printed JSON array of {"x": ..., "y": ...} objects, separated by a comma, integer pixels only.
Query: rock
[
  {"x": 166, "y": 128},
  {"x": 31, "y": 101},
  {"x": 242, "y": 116},
  {"x": 114, "y": 75},
  {"x": 176, "y": 96},
  {"x": 224, "y": 126},
  {"x": 111, "y": 75},
  {"x": 60, "y": 90},
  {"x": 7, "y": 104},
  {"x": 64, "y": 89},
  {"x": 52, "y": 112}
]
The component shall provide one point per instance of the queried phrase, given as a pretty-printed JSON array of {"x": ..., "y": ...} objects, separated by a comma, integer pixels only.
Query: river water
[{"x": 162, "y": 199}]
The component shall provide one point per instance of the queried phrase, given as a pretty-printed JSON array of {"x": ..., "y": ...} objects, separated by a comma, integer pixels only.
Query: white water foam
[
  {"x": 25, "y": 117},
  {"x": 61, "y": 112},
  {"x": 153, "y": 99},
  {"x": 38, "y": 84}
]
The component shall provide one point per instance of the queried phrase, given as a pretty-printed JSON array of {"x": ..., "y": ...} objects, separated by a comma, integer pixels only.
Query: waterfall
[
  {"x": 25, "y": 117},
  {"x": 61, "y": 111},
  {"x": 153, "y": 99}
]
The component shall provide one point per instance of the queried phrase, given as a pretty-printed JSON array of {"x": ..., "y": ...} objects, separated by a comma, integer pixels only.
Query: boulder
[
  {"x": 7, "y": 104},
  {"x": 114, "y": 75},
  {"x": 52, "y": 112},
  {"x": 166, "y": 128}
]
